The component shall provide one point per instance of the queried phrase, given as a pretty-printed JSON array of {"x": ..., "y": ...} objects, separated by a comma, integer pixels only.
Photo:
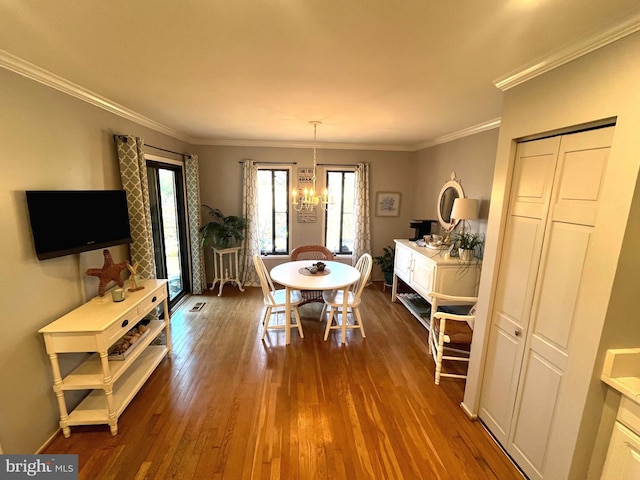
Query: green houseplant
[
  {"x": 386, "y": 262},
  {"x": 221, "y": 230},
  {"x": 468, "y": 245}
]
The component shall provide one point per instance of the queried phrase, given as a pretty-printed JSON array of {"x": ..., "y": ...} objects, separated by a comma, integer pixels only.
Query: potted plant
[
  {"x": 468, "y": 244},
  {"x": 386, "y": 262},
  {"x": 220, "y": 231}
]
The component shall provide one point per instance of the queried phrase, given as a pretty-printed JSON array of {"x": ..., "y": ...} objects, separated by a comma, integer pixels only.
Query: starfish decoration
[{"x": 109, "y": 271}]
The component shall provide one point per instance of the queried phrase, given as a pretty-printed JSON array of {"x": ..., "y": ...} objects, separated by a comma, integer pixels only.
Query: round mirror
[{"x": 449, "y": 192}]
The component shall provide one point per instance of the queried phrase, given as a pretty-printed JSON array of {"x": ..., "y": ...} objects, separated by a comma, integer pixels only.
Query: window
[
  {"x": 273, "y": 211},
  {"x": 340, "y": 218}
]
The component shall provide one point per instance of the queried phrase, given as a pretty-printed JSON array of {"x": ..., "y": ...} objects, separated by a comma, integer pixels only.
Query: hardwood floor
[{"x": 227, "y": 405}]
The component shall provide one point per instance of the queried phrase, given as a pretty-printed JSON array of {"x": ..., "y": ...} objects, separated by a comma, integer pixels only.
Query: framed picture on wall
[{"x": 387, "y": 204}]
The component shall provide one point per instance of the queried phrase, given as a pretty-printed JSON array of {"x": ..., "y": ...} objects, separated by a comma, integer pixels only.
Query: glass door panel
[{"x": 166, "y": 194}]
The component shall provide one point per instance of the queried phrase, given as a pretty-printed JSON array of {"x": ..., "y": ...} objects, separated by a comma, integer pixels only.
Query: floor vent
[{"x": 198, "y": 306}]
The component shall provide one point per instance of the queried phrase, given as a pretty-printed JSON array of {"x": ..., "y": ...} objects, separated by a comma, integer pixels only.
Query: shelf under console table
[
  {"x": 94, "y": 327},
  {"x": 425, "y": 270}
]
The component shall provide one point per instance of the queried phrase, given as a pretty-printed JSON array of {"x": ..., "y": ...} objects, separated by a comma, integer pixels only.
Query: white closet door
[
  {"x": 526, "y": 402},
  {"x": 530, "y": 193},
  {"x": 541, "y": 439}
]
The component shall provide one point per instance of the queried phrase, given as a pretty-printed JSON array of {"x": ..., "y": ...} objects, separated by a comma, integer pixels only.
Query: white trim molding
[
  {"x": 479, "y": 128},
  {"x": 568, "y": 54},
  {"x": 45, "y": 77},
  {"x": 320, "y": 145},
  {"x": 38, "y": 74}
]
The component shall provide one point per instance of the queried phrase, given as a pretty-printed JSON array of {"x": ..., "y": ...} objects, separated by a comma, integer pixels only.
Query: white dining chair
[
  {"x": 451, "y": 332},
  {"x": 275, "y": 300},
  {"x": 334, "y": 300}
]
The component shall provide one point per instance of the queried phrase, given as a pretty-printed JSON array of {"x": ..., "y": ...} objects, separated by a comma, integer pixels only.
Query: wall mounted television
[{"x": 64, "y": 222}]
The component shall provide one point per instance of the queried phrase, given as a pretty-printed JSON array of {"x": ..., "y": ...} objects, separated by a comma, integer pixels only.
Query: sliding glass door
[{"x": 168, "y": 216}]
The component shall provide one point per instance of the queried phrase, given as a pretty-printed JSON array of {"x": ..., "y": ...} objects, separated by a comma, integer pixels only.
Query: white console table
[
  {"x": 426, "y": 271},
  {"x": 94, "y": 327},
  {"x": 226, "y": 271}
]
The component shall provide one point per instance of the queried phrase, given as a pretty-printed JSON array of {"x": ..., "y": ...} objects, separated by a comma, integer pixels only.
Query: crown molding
[
  {"x": 287, "y": 144},
  {"x": 569, "y": 53},
  {"x": 479, "y": 128},
  {"x": 473, "y": 130},
  {"x": 45, "y": 77}
]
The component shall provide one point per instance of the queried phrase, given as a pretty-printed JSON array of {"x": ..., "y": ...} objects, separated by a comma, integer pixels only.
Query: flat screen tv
[{"x": 64, "y": 222}]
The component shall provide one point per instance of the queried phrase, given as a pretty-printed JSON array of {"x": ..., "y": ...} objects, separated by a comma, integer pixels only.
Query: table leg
[
  {"x": 223, "y": 277},
  {"x": 394, "y": 288},
  {"x": 237, "y": 275},
  {"x": 107, "y": 381},
  {"x": 57, "y": 388},
  {"x": 215, "y": 270},
  {"x": 345, "y": 314},
  {"x": 287, "y": 315}
]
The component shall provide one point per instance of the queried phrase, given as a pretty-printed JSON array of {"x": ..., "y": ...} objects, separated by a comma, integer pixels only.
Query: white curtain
[
  {"x": 362, "y": 243},
  {"x": 192, "y": 176},
  {"x": 251, "y": 242},
  {"x": 133, "y": 172}
]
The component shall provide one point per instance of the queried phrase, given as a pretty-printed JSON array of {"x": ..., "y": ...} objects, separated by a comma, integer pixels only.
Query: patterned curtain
[
  {"x": 251, "y": 242},
  {"x": 133, "y": 172},
  {"x": 362, "y": 243},
  {"x": 198, "y": 278}
]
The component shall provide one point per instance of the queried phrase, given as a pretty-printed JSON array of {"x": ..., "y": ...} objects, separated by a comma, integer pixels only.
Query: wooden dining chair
[
  {"x": 451, "y": 331},
  {"x": 311, "y": 252},
  {"x": 334, "y": 300},
  {"x": 275, "y": 300}
]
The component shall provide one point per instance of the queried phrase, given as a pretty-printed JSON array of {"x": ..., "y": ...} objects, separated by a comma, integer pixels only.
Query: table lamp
[{"x": 464, "y": 209}]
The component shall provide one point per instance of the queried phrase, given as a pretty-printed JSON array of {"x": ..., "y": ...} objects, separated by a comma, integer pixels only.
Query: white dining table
[{"x": 293, "y": 276}]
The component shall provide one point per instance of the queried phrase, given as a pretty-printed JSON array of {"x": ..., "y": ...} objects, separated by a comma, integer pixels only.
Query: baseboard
[
  {"x": 48, "y": 442},
  {"x": 471, "y": 415}
]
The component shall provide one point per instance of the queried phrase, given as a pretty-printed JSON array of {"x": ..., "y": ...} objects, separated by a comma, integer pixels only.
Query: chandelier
[{"x": 309, "y": 198}]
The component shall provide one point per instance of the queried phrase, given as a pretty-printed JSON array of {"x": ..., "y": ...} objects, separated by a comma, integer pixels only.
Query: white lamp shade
[{"x": 465, "y": 209}]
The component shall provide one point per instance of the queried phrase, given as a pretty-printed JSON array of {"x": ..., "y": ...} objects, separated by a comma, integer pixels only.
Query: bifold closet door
[
  {"x": 531, "y": 191},
  {"x": 531, "y": 404}
]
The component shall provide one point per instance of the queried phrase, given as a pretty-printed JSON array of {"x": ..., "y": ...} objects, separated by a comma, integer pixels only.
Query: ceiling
[{"x": 378, "y": 73}]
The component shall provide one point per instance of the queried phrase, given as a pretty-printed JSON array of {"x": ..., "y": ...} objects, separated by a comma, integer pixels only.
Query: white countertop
[{"x": 621, "y": 371}]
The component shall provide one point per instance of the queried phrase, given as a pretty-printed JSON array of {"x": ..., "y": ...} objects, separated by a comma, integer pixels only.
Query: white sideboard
[
  {"x": 94, "y": 327},
  {"x": 425, "y": 271}
]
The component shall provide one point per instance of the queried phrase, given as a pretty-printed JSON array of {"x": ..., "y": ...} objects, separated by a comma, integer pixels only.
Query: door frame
[{"x": 183, "y": 215}]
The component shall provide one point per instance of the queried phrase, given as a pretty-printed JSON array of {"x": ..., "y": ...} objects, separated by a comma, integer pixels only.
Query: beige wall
[
  {"x": 418, "y": 176},
  {"x": 221, "y": 186},
  {"x": 49, "y": 141},
  {"x": 597, "y": 86},
  {"x": 472, "y": 158}
]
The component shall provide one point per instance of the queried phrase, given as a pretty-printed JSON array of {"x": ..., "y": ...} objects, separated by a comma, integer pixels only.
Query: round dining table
[{"x": 297, "y": 276}]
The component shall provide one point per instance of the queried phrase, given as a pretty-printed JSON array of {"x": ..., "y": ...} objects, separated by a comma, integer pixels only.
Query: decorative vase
[{"x": 466, "y": 255}]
